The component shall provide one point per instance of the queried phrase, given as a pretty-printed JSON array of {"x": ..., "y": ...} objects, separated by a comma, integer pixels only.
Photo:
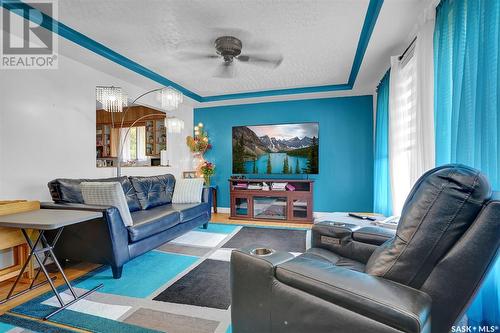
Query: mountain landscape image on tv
[{"x": 276, "y": 149}]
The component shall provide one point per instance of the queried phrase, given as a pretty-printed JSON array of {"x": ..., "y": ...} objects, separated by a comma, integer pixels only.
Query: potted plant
[
  {"x": 198, "y": 144},
  {"x": 207, "y": 169}
]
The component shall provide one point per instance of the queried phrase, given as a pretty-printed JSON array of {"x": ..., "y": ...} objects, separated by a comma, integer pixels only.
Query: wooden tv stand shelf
[{"x": 293, "y": 205}]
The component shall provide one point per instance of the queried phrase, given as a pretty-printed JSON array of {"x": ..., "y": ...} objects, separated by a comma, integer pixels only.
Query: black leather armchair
[{"x": 419, "y": 278}]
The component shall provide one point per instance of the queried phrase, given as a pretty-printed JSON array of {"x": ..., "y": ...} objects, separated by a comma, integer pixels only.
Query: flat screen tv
[{"x": 276, "y": 149}]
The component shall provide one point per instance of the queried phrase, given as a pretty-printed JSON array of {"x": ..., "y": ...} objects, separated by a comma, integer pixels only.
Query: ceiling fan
[{"x": 228, "y": 49}]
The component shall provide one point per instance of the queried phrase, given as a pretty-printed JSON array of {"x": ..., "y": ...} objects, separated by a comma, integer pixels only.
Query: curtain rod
[{"x": 408, "y": 48}]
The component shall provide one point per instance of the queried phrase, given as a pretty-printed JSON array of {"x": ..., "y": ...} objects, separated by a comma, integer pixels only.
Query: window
[
  {"x": 403, "y": 127},
  {"x": 134, "y": 143}
]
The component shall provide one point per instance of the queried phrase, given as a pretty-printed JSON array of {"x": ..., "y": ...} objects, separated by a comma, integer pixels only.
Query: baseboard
[{"x": 224, "y": 210}]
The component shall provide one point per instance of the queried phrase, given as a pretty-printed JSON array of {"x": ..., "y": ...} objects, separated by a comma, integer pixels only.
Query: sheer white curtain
[
  {"x": 126, "y": 144},
  {"x": 140, "y": 135},
  {"x": 411, "y": 116},
  {"x": 402, "y": 129},
  {"x": 141, "y": 143},
  {"x": 424, "y": 52}
]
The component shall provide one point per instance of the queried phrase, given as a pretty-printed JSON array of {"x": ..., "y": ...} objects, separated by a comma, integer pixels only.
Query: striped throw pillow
[
  {"x": 188, "y": 190},
  {"x": 107, "y": 194}
]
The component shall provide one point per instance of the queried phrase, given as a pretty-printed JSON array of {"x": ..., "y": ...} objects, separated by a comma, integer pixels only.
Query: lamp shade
[
  {"x": 111, "y": 98},
  {"x": 174, "y": 125},
  {"x": 164, "y": 158},
  {"x": 170, "y": 98}
]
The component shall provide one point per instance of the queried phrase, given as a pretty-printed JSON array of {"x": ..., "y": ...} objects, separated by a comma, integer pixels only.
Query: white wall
[{"x": 47, "y": 126}]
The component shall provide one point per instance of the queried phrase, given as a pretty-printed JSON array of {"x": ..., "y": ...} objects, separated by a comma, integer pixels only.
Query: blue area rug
[
  {"x": 207, "y": 285},
  {"x": 9, "y": 323},
  {"x": 165, "y": 290},
  {"x": 277, "y": 239},
  {"x": 35, "y": 308},
  {"x": 219, "y": 228},
  {"x": 5, "y": 327},
  {"x": 141, "y": 276}
]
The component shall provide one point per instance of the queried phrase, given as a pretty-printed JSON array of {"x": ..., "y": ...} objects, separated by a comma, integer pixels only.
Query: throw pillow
[
  {"x": 188, "y": 191},
  {"x": 107, "y": 194}
]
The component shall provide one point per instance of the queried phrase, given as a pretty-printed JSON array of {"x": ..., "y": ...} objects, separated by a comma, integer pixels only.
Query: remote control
[{"x": 362, "y": 217}]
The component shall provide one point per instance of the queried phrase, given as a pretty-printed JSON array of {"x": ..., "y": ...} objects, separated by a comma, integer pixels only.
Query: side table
[
  {"x": 213, "y": 188},
  {"x": 43, "y": 220}
]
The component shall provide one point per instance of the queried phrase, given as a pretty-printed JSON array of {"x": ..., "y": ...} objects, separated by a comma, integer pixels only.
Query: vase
[
  {"x": 207, "y": 180},
  {"x": 197, "y": 160}
]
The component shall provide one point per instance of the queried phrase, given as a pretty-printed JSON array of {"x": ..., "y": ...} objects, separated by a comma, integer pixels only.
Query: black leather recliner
[{"x": 418, "y": 279}]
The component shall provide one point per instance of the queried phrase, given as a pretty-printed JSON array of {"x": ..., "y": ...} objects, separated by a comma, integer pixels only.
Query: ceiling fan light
[
  {"x": 111, "y": 98},
  {"x": 170, "y": 98}
]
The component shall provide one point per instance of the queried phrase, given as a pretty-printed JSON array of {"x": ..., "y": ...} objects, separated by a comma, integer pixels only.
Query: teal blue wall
[{"x": 345, "y": 179}]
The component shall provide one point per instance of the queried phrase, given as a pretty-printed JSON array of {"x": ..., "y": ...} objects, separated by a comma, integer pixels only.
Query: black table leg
[
  {"x": 11, "y": 294},
  {"x": 214, "y": 198},
  {"x": 47, "y": 250}
]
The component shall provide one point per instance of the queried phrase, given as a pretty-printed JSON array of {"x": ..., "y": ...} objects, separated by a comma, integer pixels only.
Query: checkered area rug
[{"x": 182, "y": 286}]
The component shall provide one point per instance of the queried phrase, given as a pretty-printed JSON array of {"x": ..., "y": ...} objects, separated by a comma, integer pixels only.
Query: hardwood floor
[
  {"x": 77, "y": 270},
  {"x": 73, "y": 272},
  {"x": 224, "y": 218}
]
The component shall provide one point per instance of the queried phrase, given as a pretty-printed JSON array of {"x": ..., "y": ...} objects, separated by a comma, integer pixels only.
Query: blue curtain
[
  {"x": 467, "y": 114},
  {"x": 382, "y": 190}
]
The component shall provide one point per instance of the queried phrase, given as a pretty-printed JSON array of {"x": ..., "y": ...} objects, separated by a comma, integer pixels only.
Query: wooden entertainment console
[{"x": 292, "y": 205}]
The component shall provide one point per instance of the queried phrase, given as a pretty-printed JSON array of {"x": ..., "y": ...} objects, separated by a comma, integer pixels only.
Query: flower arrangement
[
  {"x": 207, "y": 169},
  {"x": 198, "y": 143}
]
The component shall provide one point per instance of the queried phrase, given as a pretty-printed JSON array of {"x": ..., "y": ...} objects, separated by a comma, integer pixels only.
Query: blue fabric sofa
[{"x": 107, "y": 240}]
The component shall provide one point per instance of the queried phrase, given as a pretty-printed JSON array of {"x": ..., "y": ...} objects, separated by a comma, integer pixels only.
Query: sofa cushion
[
  {"x": 154, "y": 190},
  {"x": 191, "y": 211},
  {"x": 332, "y": 259},
  {"x": 107, "y": 194},
  {"x": 310, "y": 271},
  {"x": 65, "y": 190},
  {"x": 308, "y": 268},
  {"x": 400, "y": 307},
  {"x": 152, "y": 221}
]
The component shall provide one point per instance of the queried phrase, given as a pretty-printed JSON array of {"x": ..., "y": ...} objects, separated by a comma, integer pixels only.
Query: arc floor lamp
[{"x": 113, "y": 99}]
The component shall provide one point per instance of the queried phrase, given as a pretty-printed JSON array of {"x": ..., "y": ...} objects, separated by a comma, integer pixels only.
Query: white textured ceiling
[
  {"x": 317, "y": 39},
  {"x": 395, "y": 28}
]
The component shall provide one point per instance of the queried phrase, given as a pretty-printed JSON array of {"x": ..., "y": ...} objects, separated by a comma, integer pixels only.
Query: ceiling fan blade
[
  {"x": 243, "y": 58},
  {"x": 186, "y": 55},
  {"x": 272, "y": 60},
  {"x": 194, "y": 44},
  {"x": 225, "y": 70}
]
